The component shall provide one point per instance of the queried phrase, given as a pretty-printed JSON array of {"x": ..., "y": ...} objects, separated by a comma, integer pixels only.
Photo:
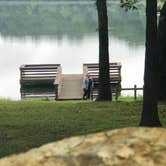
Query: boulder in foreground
[{"x": 120, "y": 147}]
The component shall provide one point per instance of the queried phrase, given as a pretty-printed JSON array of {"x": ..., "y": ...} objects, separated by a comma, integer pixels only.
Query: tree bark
[
  {"x": 149, "y": 115},
  {"x": 104, "y": 78},
  {"x": 162, "y": 52}
]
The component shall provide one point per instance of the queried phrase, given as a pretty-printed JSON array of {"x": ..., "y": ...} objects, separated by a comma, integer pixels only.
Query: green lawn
[{"x": 27, "y": 124}]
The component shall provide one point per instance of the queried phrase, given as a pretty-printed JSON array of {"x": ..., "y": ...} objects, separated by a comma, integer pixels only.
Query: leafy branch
[{"x": 129, "y": 4}]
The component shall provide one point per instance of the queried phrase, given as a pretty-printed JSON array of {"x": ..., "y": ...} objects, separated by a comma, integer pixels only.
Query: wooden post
[
  {"x": 135, "y": 92},
  {"x": 56, "y": 92}
]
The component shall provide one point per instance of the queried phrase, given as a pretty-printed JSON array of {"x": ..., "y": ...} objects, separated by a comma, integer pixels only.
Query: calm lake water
[{"x": 65, "y": 33}]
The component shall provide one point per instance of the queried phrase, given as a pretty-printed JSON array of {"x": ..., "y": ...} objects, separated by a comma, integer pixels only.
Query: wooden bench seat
[
  {"x": 115, "y": 77},
  {"x": 35, "y": 78}
]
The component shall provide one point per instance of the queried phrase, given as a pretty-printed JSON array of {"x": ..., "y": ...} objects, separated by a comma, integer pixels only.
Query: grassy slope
[{"x": 27, "y": 124}]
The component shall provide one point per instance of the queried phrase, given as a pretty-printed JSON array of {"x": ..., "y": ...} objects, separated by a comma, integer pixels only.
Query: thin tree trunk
[
  {"x": 149, "y": 111},
  {"x": 104, "y": 78},
  {"x": 162, "y": 52}
]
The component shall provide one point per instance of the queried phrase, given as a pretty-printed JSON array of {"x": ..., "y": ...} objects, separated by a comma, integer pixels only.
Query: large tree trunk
[
  {"x": 162, "y": 53},
  {"x": 104, "y": 78},
  {"x": 149, "y": 111}
]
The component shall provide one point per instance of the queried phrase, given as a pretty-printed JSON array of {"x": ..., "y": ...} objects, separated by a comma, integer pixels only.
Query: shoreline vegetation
[
  {"x": 70, "y": 19},
  {"x": 26, "y": 124}
]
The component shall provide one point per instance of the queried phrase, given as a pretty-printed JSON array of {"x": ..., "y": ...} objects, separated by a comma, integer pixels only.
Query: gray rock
[{"x": 121, "y": 147}]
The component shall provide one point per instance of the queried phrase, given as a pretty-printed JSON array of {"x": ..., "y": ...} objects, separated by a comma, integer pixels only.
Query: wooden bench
[
  {"x": 115, "y": 77},
  {"x": 39, "y": 80}
]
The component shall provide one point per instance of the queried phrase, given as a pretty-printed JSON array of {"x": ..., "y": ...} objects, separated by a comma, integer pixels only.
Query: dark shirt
[{"x": 90, "y": 84}]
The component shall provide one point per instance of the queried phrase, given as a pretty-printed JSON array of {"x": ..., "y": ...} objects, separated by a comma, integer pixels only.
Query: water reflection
[{"x": 70, "y": 55}]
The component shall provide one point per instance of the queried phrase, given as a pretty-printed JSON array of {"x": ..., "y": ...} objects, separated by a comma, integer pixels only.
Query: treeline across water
[{"x": 73, "y": 20}]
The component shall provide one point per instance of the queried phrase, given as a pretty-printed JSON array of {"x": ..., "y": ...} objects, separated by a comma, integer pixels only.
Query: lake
[{"x": 66, "y": 33}]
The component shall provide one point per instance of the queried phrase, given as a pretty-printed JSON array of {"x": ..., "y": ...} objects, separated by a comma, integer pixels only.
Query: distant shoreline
[{"x": 18, "y": 2}]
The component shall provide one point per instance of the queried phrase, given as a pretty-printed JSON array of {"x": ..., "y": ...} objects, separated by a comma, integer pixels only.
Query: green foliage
[
  {"x": 160, "y": 4},
  {"x": 129, "y": 4},
  {"x": 27, "y": 124},
  {"x": 71, "y": 20},
  {"x": 128, "y": 26},
  {"x": 134, "y": 4}
]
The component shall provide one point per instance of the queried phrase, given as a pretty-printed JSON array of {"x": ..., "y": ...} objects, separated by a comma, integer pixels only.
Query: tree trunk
[
  {"x": 162, "y": 52},
  {"x": 104, "y": 78},
  {"x": 149, "y": 111}
]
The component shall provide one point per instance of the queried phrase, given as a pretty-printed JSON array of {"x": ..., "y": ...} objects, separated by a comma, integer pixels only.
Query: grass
[{"x": 27, "y": 124}]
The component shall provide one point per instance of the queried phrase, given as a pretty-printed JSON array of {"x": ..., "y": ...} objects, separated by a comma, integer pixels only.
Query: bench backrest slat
[
  {"x": 93, "y": 69},
  {"x": 39, "y": 71}
]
